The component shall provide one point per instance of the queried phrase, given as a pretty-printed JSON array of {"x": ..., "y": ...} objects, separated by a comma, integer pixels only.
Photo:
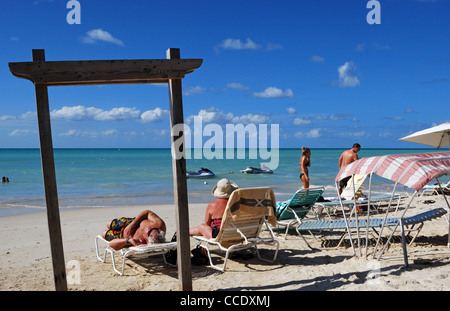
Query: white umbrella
[{"x": 437, "y": 136}]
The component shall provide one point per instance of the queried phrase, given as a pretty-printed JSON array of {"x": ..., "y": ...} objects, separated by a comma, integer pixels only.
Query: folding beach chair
[
  {"x": 242, "y": 221},
  {"x": 292, "y": 211},
  {"x": 134, "y": 251},
  {"x": 420, "y": 219}
]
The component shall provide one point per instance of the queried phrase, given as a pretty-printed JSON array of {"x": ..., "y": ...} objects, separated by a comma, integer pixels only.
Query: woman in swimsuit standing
[{"x": 305, "y": 162}]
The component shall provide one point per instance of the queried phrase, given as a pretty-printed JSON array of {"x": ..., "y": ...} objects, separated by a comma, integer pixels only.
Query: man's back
[{"x": 347, "y": 157}]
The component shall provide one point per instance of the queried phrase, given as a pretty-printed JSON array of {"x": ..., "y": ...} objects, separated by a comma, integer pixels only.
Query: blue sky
[{"x": 316, "y": 68}]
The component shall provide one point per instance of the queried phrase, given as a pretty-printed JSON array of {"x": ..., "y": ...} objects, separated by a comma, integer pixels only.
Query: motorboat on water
[
  {"x": 202, "y": 173},
  {"x": 253, "y": 170}
]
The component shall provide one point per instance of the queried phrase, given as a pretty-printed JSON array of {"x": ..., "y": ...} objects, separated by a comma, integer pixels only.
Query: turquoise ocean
[{"x": 99, "y": 178}]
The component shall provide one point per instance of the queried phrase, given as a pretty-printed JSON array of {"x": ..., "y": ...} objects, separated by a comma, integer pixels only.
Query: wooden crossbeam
[{"x": 129, "y": 71}]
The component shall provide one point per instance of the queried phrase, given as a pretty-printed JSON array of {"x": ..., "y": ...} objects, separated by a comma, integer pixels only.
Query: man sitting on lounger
[{"x": 145, "y": 228}]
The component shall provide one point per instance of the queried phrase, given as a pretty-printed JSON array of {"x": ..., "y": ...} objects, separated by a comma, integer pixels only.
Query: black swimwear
[{"x": 215, "y": 225}]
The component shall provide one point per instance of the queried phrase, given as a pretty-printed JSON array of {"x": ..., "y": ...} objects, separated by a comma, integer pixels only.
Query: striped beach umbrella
[{"x": 411, "y": 170}]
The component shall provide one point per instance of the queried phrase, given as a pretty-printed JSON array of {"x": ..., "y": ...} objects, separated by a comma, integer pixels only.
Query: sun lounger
[
  {"x": 243, "y": 219},
  {"x": 135, "y": 251},
  {"x": 375, "y": 202},
  {"x": 292, "y": 211},
  {"x": 373, "y": 223},
  {"x": 435, "y": 189}
]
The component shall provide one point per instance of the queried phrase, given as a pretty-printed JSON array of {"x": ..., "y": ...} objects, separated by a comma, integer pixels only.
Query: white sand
[{"x": 25, "y": 259}]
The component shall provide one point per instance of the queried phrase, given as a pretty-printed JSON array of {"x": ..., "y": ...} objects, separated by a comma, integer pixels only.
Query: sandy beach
[{"x": 25, "y": 261}]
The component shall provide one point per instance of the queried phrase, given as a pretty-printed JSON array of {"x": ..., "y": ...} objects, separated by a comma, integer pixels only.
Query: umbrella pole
[
  {"x": 405, "y": 254},
  {"x": 385, "y": 217},
  {"x": 448, "y": 134},
  {"x": 448, "y": 206},
  {"x": 356, "y": 215},
  {"x": 396, "y": 225},
  {"x": 368, "y": 212},
  {"x": 345, "y": 218}
]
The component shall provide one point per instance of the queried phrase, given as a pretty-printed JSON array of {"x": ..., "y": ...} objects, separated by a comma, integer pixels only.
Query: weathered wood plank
[
  {"x": 54, "y": 73},
  {"x": 49, "y": 176},
  {"x": 180, "y": 182}
]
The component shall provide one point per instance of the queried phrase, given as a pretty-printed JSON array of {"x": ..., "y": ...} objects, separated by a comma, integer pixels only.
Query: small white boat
[
  {"x": 202, "y": 173},
  {"x": 253, "y": 170}
]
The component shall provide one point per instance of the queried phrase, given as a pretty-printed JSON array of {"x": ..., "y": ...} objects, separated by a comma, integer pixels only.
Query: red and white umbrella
[{"x": 411, "y": 170}]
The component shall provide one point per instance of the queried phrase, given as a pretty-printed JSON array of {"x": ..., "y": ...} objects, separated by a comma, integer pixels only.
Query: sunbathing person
[
  {"x": 214, "y": 212},
  {"x": 145, "y": 228}
]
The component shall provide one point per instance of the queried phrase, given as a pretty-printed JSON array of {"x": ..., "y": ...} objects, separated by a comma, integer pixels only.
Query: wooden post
[
  {"x": 49, "y": 176},
  {"x": 180, "y": 181}
]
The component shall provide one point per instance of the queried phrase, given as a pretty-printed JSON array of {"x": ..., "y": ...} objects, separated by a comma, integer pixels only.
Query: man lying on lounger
[{"x": 145, "y": 228}]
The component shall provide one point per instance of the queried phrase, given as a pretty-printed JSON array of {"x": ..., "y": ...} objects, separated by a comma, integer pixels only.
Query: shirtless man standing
[
  {"x": 145, "y": 228},
  {"x": 347, "y": 157}
]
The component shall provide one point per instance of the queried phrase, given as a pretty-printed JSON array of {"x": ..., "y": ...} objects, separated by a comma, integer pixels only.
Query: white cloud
[
  {"x": 317, "y": 59},
  {"x": 96, "y": 35},
  {"x": 7, "y": 117},
  {"x": 346, "y": 77},
  {"x": 30, "y": 115},
  {"x": 301, "y": 121},
  {"x": 237, "y": 44},
  {"x": 291, "y": 110},
  {"x": 116, "y": 114},
  {"x": 250, "y": 119},
  {"x": 19, "y": 132},
  {"x": 336, "y": 117},
  {"x": 273, "y": 92},
  {"x": 249, "y": 44},
  {"x": 89, "y": 133},
  {"x": 237, "y": 86},
  {"x": 78, "y": 113},
  {"x": 194, "y": 90},
  {"x": 214, "y": 115},
  {"x": 350, "y": 133},
  {"x": 314, "y": 133},
  {"x": 156, "y": 115},
  {"x": 81, "y": 113}
]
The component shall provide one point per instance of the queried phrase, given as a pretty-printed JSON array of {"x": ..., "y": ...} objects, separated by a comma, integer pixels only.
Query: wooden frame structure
[{"x": 57, "y": 73}]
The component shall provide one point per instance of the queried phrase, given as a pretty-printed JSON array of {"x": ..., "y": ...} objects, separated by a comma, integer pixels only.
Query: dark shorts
[{"x": 117, "y": 227}]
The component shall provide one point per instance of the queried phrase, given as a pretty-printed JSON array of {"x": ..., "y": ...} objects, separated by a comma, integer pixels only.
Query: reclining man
[{"x": 145, "y": 228}]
